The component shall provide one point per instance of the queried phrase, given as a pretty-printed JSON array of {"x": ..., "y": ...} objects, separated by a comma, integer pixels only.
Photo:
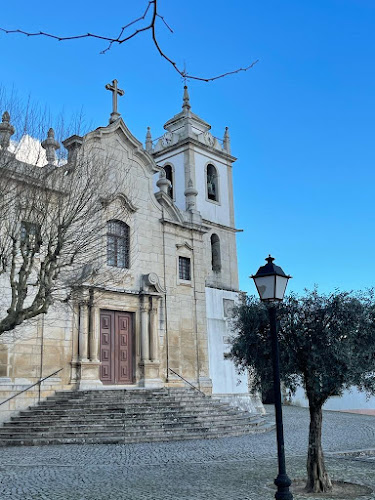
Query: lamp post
[{"x": 271, "y": 282}]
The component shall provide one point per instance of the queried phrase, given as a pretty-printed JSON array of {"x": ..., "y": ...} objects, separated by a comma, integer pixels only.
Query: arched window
[
  {"x": 169, "y": 174},
  {"x": 215, "y": 253},
  {"x": 118, "y": 244},
  {"x": 212, "y": 183}
]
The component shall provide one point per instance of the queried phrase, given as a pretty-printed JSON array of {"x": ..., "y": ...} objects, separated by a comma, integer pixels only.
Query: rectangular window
[
  {"x": 184, "y": 268},
  {"x": 118, "y": 244},
  {"x": 30, "y": 235}
]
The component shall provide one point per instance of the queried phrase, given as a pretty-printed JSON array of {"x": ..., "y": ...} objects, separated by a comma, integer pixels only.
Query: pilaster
[
  {"x": 95, "y": 334},
  {"x": 154, "y": 334},
  {"x": 145, "y": 340},
  {"x": 74, "y": 373},
  {"x": 150, "y": 364},
  {"x": 83, "y": 331},
  {"x": 89, "y": 377}
]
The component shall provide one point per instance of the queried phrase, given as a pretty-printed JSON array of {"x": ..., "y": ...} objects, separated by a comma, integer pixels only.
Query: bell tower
[
  {"x": 199, "y": 168},
  {"x": 197, "y": 174}
]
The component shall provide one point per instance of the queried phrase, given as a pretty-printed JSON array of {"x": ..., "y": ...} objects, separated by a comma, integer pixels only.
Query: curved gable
[{"x": 120, "y": 130}]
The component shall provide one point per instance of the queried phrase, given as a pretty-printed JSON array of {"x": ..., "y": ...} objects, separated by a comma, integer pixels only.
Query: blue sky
[{"x": 301, "y": 121}]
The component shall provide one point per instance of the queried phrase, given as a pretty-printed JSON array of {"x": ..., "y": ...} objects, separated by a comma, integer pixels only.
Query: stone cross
[{"x": 115, "y": 90}]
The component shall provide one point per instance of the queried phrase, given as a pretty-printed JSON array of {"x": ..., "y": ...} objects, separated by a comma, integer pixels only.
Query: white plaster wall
[
  {"x": 213, "y": 211},
  {"x": 350, "y": 400},
  {"x": 222, "y": 371}
]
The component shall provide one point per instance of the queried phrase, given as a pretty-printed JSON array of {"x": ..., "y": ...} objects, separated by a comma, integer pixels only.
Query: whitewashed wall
[
  {"x": 227, "y": 384},
  {"x": 350, "y": 400},
  {"x": 222, "y": 371}
]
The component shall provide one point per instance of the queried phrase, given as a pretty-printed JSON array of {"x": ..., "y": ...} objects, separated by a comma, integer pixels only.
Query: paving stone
[{"x": 237, "y": 468}]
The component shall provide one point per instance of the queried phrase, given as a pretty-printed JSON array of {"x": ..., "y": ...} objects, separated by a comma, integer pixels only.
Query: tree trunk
[{"x": 317, "y": 476}]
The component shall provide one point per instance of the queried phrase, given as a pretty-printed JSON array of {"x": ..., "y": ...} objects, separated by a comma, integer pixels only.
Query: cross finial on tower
[
  {"x": 184, "y": 74},
  {"x": 115, "y": 90},
  {"x": 186, "y": 99}
]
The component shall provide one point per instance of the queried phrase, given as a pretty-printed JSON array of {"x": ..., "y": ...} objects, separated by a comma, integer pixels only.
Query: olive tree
[{"x": 327, "y": 345}]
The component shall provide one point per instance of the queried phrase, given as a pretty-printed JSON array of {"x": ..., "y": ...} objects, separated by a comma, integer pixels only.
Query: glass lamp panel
[
  {"x": 266, "y": 287},
  {"x": 281, "y": 283}
]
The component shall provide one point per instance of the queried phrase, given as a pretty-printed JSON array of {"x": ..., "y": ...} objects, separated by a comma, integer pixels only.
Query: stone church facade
[{"x": 163, "y": 320}]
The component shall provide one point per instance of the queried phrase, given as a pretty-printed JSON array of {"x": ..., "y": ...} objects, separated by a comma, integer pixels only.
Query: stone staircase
[{"x": 121, "y": 416}]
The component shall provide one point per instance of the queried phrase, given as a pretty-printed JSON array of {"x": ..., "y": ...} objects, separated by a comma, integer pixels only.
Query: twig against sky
[{"x": 152, "y": 9}]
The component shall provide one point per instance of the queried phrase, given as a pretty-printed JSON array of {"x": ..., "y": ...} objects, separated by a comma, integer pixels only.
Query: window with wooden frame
[
  {"x": 118, "y": 244},
  {"x": 184, "y": 268},
  {"x": 30, "y": 235}
]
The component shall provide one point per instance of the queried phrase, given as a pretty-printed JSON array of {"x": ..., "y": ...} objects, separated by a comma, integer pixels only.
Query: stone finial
[
  {"x": 148, "y": 141},
  {"x": 190, "y": 194},
  {"x": 186, "y": 99},
  {"x": 6, "y": 130},
  {"x": 163, "y": 183},
  {"x": 73, "y": 144},
  {"x": 226, "y": 141},
  {"x": 50, "y": 145}
]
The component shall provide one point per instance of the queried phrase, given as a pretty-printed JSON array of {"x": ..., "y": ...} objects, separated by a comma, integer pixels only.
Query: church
[{"x": 163, "y": 317}]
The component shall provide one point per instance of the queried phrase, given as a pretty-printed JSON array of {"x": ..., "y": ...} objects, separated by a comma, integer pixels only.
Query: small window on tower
[
  {"x": 169, "y": 175},
  {"x": 215, "y": 253},
  {"x": 212, "y": 184},
  {"x": 184, "y": 268}
]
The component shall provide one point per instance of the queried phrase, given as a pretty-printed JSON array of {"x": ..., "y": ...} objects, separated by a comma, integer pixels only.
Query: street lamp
[{"x": 271, "y": 282}]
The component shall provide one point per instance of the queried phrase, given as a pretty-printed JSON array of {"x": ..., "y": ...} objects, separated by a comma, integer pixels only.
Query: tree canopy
[
  {"x": 327, "y": 342},
  {"x": 327, "y": 345}
]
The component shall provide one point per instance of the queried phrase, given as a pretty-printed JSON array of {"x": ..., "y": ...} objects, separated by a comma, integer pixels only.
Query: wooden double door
[{"x": 116, "y": 347}]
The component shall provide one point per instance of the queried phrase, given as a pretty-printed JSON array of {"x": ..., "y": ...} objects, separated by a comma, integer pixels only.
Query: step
[
  {"x": 27, "y": 441},
  {"x": 119, "y": 395},
  {"x": 122, "y": 404},
  {"x": 136, "y": 432},
  {"x": 127, "y": 416},
  {"x": 130, "y": 401},
  {"x": 135, "y": 437},
  {"x": 73, "y": 419},
  {"x": 81, "y": 413},
  {"x": 112, "y": 425}
]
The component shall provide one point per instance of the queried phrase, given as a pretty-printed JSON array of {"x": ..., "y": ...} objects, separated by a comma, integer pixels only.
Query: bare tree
[
  {"x": 129, "y": 31},
  {"x": 52, "y": 223}
]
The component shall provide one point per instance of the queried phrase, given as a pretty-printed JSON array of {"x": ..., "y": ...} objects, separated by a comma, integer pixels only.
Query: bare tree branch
[
  {"x": 120, "y": 39},
  {"x": 53, "y": 221}
]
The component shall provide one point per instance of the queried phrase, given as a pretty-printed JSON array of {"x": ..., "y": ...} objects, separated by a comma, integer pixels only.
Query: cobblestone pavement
[{"x": 231, "y": 468}]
